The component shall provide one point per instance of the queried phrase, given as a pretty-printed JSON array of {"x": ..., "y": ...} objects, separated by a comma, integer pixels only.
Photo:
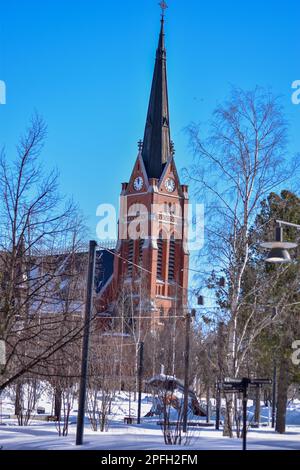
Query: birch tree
[{"x": 240, "y": 162}]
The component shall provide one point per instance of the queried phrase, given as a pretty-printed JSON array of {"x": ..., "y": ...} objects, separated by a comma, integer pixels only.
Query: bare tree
[
  {"x": 67, "y": 386},
  {"x": 62, "y": 373},
  {"x": 237, "y": 166},
  {"x": 132, "y": 321},
  {"x": 168, "y": 405},
  {"x": 26, "y": 393},
  {"x": 38, "y": 231},
  {"x": 103, "y": 380}
]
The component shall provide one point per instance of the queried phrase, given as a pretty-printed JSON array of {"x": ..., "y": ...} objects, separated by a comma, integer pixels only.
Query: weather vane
[{"x": 163, "y": 7}]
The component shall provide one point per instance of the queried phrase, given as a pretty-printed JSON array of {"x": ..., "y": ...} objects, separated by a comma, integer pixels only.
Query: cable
[
  {"x": 139, "y": 318},
  {"x": 141, "y": 268},
  {"x": 191, "y": 290},
  {"x": 290, "y": 305}
]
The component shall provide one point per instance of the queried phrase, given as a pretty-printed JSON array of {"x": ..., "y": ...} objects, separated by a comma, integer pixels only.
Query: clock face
[
  {"x": 138, "y": 183},
  {"x": 170, "y": 185}
]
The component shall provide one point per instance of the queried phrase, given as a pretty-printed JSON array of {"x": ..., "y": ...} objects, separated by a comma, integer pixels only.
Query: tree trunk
[
  {"x": 19, "y": 404},
  {"x": 229, "y": 412},
  {"x": 228, "y": 419},
  {"x": 282, "y": 396},
  {"x": 57, "y": 403},
  {"x": 257, "y": 406}
]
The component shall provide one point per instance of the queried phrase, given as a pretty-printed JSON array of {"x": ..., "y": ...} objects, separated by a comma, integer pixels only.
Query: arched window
[
  {"x": 130, "y": 257},
  {"x": 160, "y": 246},
  {"x": 172, "y": 249}
]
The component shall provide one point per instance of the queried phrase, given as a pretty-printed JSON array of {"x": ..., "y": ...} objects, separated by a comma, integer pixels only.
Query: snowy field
[
  {"x": 144, "y": 437},
  {"x": 41, "y": 435}
]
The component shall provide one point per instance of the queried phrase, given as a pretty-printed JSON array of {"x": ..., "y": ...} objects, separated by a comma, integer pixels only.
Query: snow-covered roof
[{"x": 167, "y": 381}]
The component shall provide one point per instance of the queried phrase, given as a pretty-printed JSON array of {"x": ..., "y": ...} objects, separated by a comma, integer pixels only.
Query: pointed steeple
[{"x": 157, "y": 142}]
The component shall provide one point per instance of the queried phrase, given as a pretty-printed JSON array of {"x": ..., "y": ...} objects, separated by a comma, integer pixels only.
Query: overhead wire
[{"x": 126, "y": 260}]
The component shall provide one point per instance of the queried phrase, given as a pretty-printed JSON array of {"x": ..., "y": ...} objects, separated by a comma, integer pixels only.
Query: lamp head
[
  {"x": 279, "y": 249},
  {"x": 278, "y": 256}
]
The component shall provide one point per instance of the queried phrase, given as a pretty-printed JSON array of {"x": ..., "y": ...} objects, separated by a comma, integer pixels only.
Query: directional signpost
[{"x": 230, "y": 385}]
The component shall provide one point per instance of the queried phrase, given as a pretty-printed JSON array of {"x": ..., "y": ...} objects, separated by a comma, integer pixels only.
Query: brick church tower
[{"x": 152, "y": 247}]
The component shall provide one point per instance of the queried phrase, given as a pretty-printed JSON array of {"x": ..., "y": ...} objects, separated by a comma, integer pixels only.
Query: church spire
[{"x": 157, "y": 142}]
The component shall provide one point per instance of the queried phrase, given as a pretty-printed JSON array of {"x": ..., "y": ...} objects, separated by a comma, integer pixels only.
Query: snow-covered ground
[
  {"x": 144, "y": 437},
  {"x": 40, "y": 435}
]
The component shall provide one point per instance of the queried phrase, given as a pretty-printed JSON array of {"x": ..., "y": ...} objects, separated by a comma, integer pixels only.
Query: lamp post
[
  {"x": 140, "y": 379},
  {"x": 208, "y": 404},
  {"x": 188, "y": 319},
  {"x": 85, "y": 343},
  {"x": 245, "y": 385},
  {"x": 186, "y": 371},
  {"x": 274, "y": 394},
  {"x": 218, "y": 405},
  {"x": 278, "y": 255}
]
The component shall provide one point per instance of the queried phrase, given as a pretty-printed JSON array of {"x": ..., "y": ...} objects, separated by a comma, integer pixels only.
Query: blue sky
[{"x": 87, "y": 66}]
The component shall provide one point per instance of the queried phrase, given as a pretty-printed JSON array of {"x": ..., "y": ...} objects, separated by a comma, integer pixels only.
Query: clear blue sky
[{"x": 86, "y": 66}]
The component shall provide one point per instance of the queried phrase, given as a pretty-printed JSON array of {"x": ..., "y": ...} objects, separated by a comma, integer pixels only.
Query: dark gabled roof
[{"x": 104, "y": 268}]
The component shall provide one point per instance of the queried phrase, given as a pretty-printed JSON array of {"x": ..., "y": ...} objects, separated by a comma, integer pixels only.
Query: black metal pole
[
  {"x": 274, "y": 395},
  {"x": 140, "y": 373},
  {"x": 218, "y": 406},
  {"x": 85, "y": 343},
  {"x": 186, "y": 371},
  {"x": 208, "y": 404},
  {"x": 245, "y": 399}
]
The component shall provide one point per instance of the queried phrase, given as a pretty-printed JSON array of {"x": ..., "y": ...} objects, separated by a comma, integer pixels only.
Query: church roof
[
  {"x": 104, "y": 268},
  {"x": 157, "y": 146}
]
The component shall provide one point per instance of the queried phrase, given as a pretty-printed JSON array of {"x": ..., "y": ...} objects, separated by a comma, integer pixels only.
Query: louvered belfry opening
[
  {"x": 160, "y": 253},
  {"x": 141, "y": 243},
  {"x": 130, "y": 257},
  {"x": 172, "y": 249}
]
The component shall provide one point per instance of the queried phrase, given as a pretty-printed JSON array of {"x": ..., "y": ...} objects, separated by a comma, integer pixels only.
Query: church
[{"x": 151, "y": 259}]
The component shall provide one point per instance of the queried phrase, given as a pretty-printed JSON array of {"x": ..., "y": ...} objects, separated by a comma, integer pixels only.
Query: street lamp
[
  {"x": 279, "y": 249},
  {"x": 188, "y": 319},
  {"x": 85, "y": 343}
]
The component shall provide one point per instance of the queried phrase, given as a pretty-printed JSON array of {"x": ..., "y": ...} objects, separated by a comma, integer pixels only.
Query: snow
[
  {"x": 148, "y": 436},
  {"x": 41, "y": 435}
]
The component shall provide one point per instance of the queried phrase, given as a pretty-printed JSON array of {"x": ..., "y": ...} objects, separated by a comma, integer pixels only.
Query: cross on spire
[{"x": 163, "y": 7}]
